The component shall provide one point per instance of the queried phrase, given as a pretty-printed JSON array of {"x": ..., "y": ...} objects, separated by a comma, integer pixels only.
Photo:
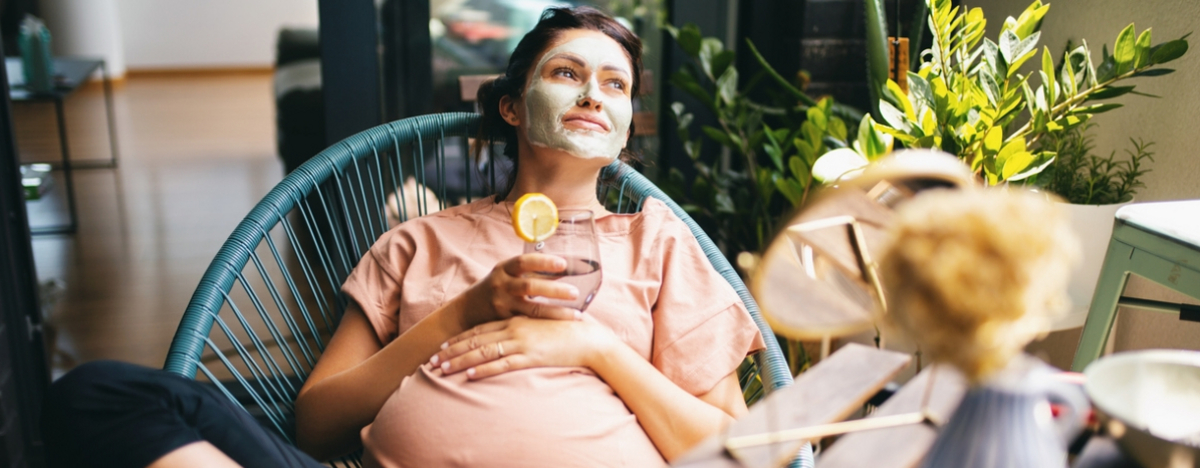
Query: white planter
[{"x": 1093, "y": 225}]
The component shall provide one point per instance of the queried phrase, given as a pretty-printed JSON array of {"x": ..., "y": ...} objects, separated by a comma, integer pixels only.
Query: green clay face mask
[{"x": 593, "y": 65}]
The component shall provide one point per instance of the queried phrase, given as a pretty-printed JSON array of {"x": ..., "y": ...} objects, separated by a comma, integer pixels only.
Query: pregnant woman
[{"x": 449, "y": 355}]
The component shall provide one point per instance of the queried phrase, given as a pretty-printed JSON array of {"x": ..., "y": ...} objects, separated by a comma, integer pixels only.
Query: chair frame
[{"x": 344, "y": 165}]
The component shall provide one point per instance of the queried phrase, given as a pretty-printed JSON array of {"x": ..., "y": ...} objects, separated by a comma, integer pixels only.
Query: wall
[
  {"x": 1169, "y": 122},
  {"x": 174, "y": 34},
  {"x": 211, "y": 33},
  {"x": 88, "y": 28}
]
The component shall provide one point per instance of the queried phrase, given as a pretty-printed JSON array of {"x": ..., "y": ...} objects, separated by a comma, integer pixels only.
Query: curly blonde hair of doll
[{"x": 974, "y": 276}]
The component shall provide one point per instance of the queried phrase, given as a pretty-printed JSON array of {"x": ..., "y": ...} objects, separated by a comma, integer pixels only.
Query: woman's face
[{"x": 578, "y": 99}]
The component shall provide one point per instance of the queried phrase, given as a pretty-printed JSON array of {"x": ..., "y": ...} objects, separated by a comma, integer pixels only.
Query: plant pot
[{"x": 1093, "y": 225}]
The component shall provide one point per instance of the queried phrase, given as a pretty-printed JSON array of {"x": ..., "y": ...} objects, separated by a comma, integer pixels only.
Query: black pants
[{"x": 114, "y": 414}]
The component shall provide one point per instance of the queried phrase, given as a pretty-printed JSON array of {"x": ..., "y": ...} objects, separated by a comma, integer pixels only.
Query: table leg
[
  {"x": 108, "y": 109},
  {"x": 1103, "y": 311},
  {"x": 67, "y": 176}
]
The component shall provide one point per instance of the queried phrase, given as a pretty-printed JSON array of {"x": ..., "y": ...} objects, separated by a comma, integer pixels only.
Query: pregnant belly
[{"x": 530, "y": 417}]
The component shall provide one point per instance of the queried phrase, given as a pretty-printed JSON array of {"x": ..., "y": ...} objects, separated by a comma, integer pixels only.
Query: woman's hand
[
  {"x": 508, "y": 290},
  {"x": 520, "y": 343}
]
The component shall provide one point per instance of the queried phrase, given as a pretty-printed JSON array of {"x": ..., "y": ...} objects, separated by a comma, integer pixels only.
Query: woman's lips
[{"x": 585, "y": 122}]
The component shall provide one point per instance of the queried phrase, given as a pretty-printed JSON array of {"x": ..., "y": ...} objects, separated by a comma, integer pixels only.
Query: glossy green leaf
[
  {"x": 791, "y": 189},
  {"x": 1141, "y": 55},
  {"x": 717, "y": 135},
  {"x": 817, "y": 117},
  {"x": 1048, "y": 81},
  {"x": 727, "y": 85},
  {"x": 805, "y": 150},
  {"x": 1168, "y": 51},
  {"x": 710, "y": 47},
  {"x": 833, "y": 165},
  {"x": 1154, "y": 72},
  {"x": 1125, "y": 50},
  {"x": 1107, "y": 69},
  {"x": 920, "y": 92},
  {"x": 1036, "y": 165},
  {"x": 721, "y": 62},
  {"x": 689, "y": 39},
  {"x": 685, "y": 81},
  {"x": 993, "y": 140},
  {"x": 773, "y": 149},
  {"x": 894, "y": 117},
  {"x": 799, "y": 168},
  {"x": 837, "y": 128},
  {"x": 1031, "y": 19},
  {"x": 1097, "y": 108}
]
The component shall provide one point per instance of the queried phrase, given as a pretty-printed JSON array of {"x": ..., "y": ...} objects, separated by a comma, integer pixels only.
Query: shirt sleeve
[
  {"x": 702, "y": 331},
  {"x": 375, "y": 283}
]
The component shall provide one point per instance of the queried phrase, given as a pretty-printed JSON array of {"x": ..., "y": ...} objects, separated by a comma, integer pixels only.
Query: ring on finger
[{"x": 500, "y": 349}]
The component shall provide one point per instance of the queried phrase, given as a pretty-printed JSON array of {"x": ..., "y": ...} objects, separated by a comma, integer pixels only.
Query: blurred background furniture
[
  {"x": 69, "y": 74},
  {"x": 1157, "y": 241}
]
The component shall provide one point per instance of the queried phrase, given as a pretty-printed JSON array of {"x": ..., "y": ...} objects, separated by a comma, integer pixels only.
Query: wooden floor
[{"x": 196, "y": 153}]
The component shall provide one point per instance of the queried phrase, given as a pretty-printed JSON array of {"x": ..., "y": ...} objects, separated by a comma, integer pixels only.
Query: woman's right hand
[{"x": 508, "y": 290}]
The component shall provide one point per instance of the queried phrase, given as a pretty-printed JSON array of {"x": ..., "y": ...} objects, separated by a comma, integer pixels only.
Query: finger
[
  {"x": 546, "y": 311},
  {"x": 499, "y": 366},
  {"x": 534, "y": 262},
  {"x": 466, "y": 346},
  {"x": 476, "y": 331},
  {"x": 522, "y": 287},
  {"x": 484, "y": 354}
]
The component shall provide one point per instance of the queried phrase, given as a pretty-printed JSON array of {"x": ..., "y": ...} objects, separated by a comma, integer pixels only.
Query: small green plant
[
  {"x": 969, "y": 97},
  {"x": 770, "y": 148},
  {"x": 1083, "y": 178}
]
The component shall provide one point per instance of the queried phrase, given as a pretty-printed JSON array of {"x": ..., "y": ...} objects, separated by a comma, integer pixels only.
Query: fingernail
[
  {"x": 471, "y": 372},
  {"x": 445, "y": 345},
  {"x": 433, "y": 360},
  {"x": 573, "y": 291},
  {"x": 560, "y": 263},
  {"x": 578, "y": 315},
  {"x": 446, "y": 366}
]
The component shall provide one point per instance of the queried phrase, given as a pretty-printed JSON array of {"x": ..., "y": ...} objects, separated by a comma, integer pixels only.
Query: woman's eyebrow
[
  {"x": 571, "y": 57},
  {"x": 616, "y": 68}
]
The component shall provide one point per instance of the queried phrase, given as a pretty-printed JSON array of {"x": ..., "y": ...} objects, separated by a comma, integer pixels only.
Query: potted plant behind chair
[
  {"x": 971, "y": 99},
  {"x": 1094, "y": 188}
]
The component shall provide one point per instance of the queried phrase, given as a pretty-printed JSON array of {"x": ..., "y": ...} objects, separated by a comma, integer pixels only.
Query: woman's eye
[
  {"x": 565, "y": 73},
  {"x": 618, "y": 84}
]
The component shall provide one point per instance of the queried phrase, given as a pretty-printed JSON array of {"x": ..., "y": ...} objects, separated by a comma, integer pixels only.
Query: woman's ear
[{"x": 508, "y": 111}]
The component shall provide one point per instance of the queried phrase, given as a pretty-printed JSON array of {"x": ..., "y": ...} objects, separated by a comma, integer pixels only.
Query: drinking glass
[{"x": 576, "y": 242}]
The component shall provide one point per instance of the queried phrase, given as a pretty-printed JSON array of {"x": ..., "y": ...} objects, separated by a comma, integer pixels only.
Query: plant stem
[{"x": 1068, "y": 105}]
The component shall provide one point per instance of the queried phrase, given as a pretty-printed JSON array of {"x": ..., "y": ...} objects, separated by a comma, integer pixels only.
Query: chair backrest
[{"x": 273, "y": 290}]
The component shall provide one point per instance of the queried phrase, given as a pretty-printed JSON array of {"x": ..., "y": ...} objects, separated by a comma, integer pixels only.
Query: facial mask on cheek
[{"x": 547, "y": 103}]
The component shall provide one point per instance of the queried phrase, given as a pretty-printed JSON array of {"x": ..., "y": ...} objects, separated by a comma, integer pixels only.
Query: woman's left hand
[{"x": 520, "y": 343}]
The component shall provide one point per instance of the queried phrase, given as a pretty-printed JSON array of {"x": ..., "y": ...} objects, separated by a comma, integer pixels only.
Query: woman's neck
[{"x": 571, "y": 183}]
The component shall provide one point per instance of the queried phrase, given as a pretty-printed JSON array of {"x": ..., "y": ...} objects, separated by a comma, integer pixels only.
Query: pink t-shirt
[{"x": 659, "y": 294}]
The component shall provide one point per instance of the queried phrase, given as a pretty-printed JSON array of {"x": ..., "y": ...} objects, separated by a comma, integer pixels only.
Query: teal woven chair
[{"x": 271, "y": 298}]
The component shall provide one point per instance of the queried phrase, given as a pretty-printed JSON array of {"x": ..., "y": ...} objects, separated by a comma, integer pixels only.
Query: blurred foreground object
[
  {"x": 1149, "y": 402},
  {"x": 817, "y": 279},
  {"x": 973, "y": 287}
]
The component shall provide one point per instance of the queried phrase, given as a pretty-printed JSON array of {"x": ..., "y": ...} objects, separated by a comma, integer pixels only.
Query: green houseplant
[{"x": 971, "y": 99}]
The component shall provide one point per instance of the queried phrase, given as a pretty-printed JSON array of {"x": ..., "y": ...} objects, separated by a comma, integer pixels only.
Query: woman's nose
[{"x": 591, "y": 95}]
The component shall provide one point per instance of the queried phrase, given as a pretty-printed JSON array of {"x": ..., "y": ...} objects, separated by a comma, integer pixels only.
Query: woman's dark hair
[{"x": 493, "y": 128}]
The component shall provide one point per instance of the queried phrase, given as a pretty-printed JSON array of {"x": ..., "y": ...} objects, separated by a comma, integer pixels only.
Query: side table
[
  {"x": 1157, "y": 241},
  {"x": 69, "y": 75}
]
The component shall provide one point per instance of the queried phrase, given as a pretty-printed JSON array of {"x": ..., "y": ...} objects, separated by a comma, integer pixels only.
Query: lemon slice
[{"x": 535, "y": 218}]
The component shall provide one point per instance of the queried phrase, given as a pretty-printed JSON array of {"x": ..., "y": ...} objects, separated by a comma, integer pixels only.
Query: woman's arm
[
  {"x": 674, "y": 419},
  {"x": 357, "y": 374}
]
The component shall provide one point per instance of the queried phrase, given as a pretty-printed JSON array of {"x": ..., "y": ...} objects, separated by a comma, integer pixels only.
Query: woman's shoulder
[
  {"x": 658, "y": 220},
  {"x": 448, "y": 222}
]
